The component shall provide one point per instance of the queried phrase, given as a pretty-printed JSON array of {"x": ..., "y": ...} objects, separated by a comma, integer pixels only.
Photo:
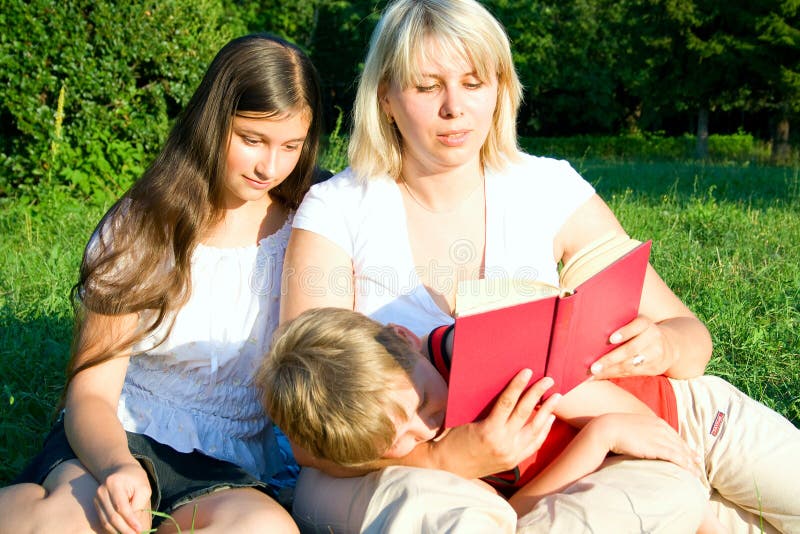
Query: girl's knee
[{"x": 30, "y": 508}]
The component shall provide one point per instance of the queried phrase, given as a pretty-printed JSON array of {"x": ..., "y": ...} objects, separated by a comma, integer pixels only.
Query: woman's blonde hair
[
  {"x": 327, "y": 384},
  {"x": 463, "y": 29}
]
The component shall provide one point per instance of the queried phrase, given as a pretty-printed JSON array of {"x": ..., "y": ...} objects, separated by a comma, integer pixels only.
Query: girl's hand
[
  {"x": 643, "y": 350},
  {"x": 644, "y": 436},
  {"x": 123, "y": 500},
  {"x": 513, "y": 430}
]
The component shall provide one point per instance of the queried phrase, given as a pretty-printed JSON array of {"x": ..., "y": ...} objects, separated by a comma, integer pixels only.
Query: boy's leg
[
  {"x": 624, "y": 495},
  {"x": 752, "y": 453},
  {"x": 398, "y": 500}
]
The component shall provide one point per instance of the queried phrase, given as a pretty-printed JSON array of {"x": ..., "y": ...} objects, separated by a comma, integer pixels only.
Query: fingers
[
  {"x": 530, "y": 399},
  {"x": 120, "y": 499},
  {"x": 506, "y": 403},
  {"x": 647, "y": 436},
  {"x": 641, "y": 351}
]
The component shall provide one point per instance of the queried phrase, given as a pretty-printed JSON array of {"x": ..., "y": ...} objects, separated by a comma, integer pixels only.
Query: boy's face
[{"x": 424, "y": 400}]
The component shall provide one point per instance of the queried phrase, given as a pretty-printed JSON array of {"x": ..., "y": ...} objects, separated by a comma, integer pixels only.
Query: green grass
[{"x": 725, "y": 239}]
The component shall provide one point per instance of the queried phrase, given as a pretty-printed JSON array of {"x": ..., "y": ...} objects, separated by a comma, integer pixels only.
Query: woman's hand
[
  {"x": 642, "y": 349},
  {"x": 513, "y": 431},
  {"x": 666, "y": 338},
  {"x": 644, "y": 436},
  {"x": 123, "y": 499}
]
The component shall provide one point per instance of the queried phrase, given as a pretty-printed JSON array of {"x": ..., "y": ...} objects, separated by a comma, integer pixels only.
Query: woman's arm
[
  {"x": 666, "y": 334},
  {"x": 95, "y": 432},
  {"x": 316, "y": 273},
  {"x": 640, "y": 436}
]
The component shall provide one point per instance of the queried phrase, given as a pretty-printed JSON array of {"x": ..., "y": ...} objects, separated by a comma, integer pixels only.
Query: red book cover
[{"x": 556, "y": 336}]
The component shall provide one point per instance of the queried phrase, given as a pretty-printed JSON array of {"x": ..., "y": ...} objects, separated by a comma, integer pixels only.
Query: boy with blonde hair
[{"x": 320, "y": 389}]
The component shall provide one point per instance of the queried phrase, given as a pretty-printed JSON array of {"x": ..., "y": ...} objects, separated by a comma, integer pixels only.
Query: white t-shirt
[
  {"x": 195, "y": 390},
  {"x": 526, "y": 205}
]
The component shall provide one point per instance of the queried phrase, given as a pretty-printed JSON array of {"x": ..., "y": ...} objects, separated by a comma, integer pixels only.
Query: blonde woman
[{"x": 437, "y": 192}]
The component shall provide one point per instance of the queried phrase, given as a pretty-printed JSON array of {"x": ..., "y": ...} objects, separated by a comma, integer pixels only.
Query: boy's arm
[{"x": 640, "y": 436}]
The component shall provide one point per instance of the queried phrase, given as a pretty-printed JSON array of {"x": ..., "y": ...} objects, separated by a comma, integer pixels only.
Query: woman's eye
[
  {"x": 426, "y": 88},
  {"x": 473, "y": 85},
  {"x": 292, "y": 148},
  {"x": 250, "y": 140}
]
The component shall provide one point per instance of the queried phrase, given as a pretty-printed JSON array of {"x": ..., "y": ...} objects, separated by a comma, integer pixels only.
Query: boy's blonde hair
[
  {"x": 464, "y": 29},
  {"x": 327, "y": 382}
]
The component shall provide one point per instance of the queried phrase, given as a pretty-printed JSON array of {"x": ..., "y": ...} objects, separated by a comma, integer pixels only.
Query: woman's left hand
[{"x": 643, "y": 349}]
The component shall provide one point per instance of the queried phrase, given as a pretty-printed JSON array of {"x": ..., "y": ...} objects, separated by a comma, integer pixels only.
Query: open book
[{"x": 503, "y": 326}]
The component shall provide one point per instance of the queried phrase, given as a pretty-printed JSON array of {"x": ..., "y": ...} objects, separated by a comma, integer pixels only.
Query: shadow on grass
[
  {"x": 33, "y": 357},
  {"x": 759, "y": 186}
]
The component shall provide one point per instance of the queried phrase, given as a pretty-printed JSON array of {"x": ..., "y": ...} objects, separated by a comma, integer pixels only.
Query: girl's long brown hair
[{"x": 139, "y": 258}]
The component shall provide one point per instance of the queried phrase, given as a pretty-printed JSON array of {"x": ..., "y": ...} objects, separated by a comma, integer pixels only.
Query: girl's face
[
  {"x": 262, "y": 152},
  {"x": 445, "y": 117},
  {"x": 424, "y": 400}
]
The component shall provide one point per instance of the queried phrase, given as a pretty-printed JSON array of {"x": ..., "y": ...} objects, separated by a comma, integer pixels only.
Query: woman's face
[
  {"x": 444, "y": 117},
  {"x": 262, "y": 152}
]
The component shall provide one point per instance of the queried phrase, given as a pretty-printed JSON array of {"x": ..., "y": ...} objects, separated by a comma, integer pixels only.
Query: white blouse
[
  {"x": 195, "y": 390},
  {"x": 526, "y": 205}
]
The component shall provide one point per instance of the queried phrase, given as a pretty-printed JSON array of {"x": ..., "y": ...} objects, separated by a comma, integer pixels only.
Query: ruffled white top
[{"x": 195, "y": 391}]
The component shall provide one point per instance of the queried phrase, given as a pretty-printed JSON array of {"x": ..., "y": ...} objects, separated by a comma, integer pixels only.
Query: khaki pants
[
  {"x": 752, "y": 454},
  {"x": 625, "y": 495}
]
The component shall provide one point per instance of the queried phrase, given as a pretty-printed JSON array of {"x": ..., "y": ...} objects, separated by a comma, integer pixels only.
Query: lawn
[{"x": 725, "y": 239}]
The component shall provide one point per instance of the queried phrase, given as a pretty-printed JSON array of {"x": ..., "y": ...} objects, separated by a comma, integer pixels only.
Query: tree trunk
[
  {"x": 781, "y": 150},
  {"x": 702, "y": 133}
]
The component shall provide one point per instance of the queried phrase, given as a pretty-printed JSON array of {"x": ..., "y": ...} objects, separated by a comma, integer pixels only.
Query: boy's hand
[
  {"x": 645, "y": 436},
  {"x": 510, "y": 433},
  {"x": 123, "y": 500}
]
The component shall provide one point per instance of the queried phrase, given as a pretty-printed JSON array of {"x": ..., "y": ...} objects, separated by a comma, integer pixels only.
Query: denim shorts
[{"x": 176, "y": 478}]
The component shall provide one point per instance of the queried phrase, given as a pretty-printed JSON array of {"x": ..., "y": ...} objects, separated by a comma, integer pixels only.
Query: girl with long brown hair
[{"x": 177, "y": 298}]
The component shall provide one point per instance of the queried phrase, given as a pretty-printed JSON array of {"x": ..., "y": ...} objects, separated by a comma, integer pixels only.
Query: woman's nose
[{"x": 452, "y": 106}]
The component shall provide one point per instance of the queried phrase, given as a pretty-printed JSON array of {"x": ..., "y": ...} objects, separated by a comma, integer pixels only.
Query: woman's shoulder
[
  {"x": 530, "y": 166},
  {"x": 345, "y": 189}
]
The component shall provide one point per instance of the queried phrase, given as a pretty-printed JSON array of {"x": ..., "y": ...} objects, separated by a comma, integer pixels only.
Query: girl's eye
[
  {"x": 250, "y": 140},
  {"x": 473, "y": 85},
  {"x": 292, "y": 148},
  {"x": 426, "y": 88}
]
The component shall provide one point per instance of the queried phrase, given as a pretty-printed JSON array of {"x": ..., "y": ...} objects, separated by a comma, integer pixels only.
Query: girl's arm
[
  {"x": 640, "y": 436},
  {"x": 666, "y": 333},
  {"x": 95, "y": 432}
]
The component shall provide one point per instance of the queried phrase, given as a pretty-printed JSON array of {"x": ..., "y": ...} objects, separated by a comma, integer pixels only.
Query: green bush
[{"x": 126, "y": 71}]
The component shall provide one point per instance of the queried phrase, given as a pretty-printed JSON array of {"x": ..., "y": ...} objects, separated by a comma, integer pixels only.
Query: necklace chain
[{"x": 419, "y": 203}]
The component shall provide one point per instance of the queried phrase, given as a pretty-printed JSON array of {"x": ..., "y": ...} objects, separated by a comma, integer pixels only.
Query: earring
[{"x": 389, "y": 118}]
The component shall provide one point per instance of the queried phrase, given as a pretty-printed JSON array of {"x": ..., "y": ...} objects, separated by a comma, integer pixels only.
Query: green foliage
[
  {"x": 127, "y": 69},
  {"x": 724, "y": 241},
  {"x": 334, "y": 154}
]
